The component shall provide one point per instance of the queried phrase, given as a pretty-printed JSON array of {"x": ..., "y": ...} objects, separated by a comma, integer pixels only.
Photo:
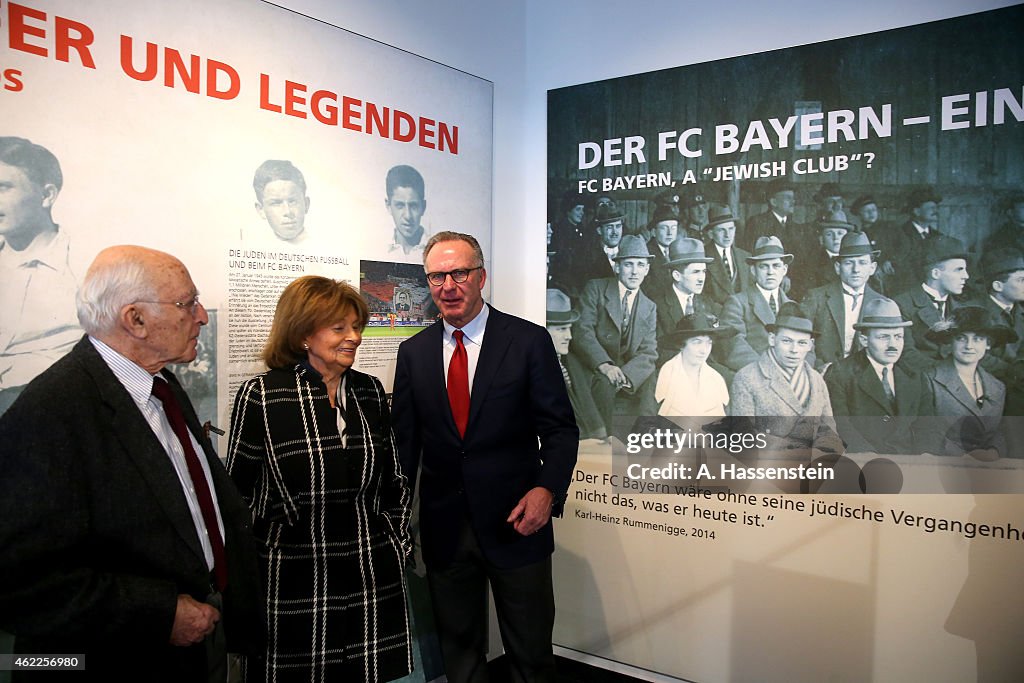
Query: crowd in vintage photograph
[{"x": 870, "y": 319}]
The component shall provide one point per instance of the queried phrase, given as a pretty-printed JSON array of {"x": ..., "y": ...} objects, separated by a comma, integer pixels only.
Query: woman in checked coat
[{"x": 312, "y": 452}]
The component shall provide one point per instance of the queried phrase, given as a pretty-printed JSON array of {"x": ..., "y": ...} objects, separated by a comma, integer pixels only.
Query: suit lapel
[
  {"x": 434, "y": 379},
  {"x": 947, "y": 376},
  {"x": 760, "y": 307},
  {"x": 142, "y": 447},
  {"x": 837, "y": 310},
  {"x": 869, "y": 384},
  {"x": 612, "y": 304},
  {"x": 492, "y": 352}
]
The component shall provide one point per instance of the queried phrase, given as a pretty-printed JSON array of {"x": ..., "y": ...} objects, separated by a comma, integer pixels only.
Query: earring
[{"x": 305, "y": 346}]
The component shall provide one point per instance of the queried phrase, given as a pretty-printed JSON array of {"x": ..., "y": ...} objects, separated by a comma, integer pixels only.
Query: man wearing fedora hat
[
  {"x": 727, "y": 274},
  {"x": 875, "y": 399},
  {"x": 906, "y": 247},
  {"x": 752, "y": 310},
  {"x": 664, "y": 227},
  {"x": 816, "y": 268},
  {"x": 784, "y": 392},
  {"x": 945, "y": 275},
  {"x": 598, "y": 258},
  {"x": 615, "y": 336},
  {"x": 836, "y": 307},
  {"x": 560, "y": 318},
  {"x": 687, "y": 269}
]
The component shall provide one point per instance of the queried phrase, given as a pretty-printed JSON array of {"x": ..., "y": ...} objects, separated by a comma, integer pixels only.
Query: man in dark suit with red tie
[
  {"x": 875, "y": 399},
  {"x": 727, "y": 273},
  {"x": 482, "y": 415},
  {"x": 123, "y": 537}
]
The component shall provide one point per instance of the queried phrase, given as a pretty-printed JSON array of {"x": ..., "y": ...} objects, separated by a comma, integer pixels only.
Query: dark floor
[{"x": 569, "y": 671}]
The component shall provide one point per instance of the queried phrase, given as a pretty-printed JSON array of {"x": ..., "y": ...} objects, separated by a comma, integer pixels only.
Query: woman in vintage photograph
[
  {"x": 687, "y": 385},
  {"x": 312, "y": 452},
  {"x": 962, "y": 389}
]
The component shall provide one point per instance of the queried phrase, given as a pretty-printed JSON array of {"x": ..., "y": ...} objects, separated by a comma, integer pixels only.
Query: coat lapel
[
  {"x": 613, "y": 305},
  {"x": 946, "y": 375},
  {"x": 869, "y": 385},
  {"x": 492, "y": 352},
  {"x": 142, "y": 446},
  {"x": 837, "y": 310},
  {"x": 760, "y": 307},
  {"x": 779, "y": 384}
]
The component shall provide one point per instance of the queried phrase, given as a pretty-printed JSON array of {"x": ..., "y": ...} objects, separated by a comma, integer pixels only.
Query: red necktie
[
  {"x": 195, "y": 471},
  {"x": 458, "y": 384}
]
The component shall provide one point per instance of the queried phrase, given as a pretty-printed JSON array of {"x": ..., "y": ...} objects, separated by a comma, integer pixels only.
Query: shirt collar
[
  {"x": 767, "y": 294},
  {"x": 1000, "y": 304},
  {"x": 878, "y": 366},
  {"x": 473, "y": 330},
  {"x": 933, "y": 293},
  {"x": 135, "y": 379}
]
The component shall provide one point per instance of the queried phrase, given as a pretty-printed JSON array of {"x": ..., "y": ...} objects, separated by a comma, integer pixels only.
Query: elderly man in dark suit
[
  {"x": 752, "y": 310},
  {"x": 835, "y": 308},
  {"x": 615, "y": 336},
  {"x": 945, "y": 276},
  {"x": 481, "y": 403},
  {"x": 876, "y": 401},
  {"x": 123, "y": 536},
  {"x": 727, "y": 272},
  {"x": 687, "y": 266}
]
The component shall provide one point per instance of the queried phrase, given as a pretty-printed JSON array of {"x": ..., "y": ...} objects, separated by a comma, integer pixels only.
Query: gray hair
[
  {"x": 449, "y": 236},
  {"x": 108, "y": 287}
]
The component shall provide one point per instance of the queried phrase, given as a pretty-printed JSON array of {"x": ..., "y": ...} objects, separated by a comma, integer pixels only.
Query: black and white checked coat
[{"x": 334, "y": 522}]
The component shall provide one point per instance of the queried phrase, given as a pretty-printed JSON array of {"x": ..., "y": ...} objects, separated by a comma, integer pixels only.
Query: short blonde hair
[{"x": 307, "y": 304}]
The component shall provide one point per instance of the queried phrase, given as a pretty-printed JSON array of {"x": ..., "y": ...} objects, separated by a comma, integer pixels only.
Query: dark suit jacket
[
  {"x": 919, "y": 353},
  {"x": 521, "y": 434},
  {"x": 815, "y": 270},
  {"x": 907, "y": 251},
  {"x": 659, "y": 277},
  {"x": 96, "y": 533},
  {"x": 718, "y": 287},
  {"x": 669, "y": 312},
  {"x": 597, "y": 335},
  {"x": 866, "y": 420},
  {"x": 827, "y": 309},
  {"x": 793, "y": 234}
]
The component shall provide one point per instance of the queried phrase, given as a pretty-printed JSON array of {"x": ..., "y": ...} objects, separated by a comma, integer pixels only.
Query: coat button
[{"x": 886, "y": 418}]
